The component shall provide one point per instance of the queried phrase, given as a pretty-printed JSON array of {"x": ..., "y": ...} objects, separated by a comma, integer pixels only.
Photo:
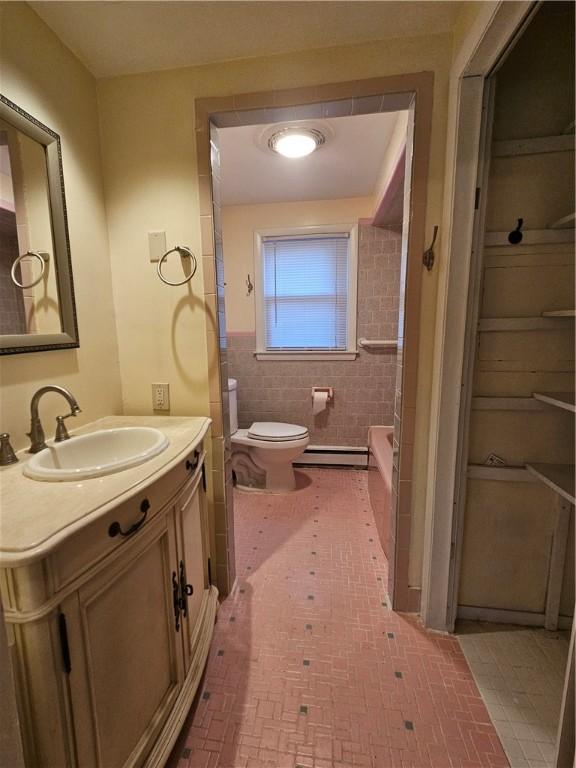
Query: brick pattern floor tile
[{"x": 315, "y": 671}]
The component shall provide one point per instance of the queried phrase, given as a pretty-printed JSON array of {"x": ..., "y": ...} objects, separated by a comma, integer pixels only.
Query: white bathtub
[{"x": 380, "y": 445}]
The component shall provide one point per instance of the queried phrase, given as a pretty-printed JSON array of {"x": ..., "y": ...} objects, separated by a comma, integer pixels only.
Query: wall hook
[
  {"x": 249, "y": 286},
  {"x": 428, "y": 258},
  {"x": 516, "y": 235}
]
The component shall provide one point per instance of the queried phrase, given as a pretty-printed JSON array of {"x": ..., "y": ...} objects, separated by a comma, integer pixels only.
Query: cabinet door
[
  {"x": 125, "y": 653},
  {"x": 192, "y": 562}
]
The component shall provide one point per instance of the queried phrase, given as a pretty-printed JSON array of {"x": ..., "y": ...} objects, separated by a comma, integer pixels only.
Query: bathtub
[{"x": 380, "y": 479}]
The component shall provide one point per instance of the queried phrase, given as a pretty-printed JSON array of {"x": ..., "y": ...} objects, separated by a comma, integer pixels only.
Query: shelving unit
[
  {"x": 545, "y": 322},
  {"x": 560, "y": 313},
  {"x": 565, "y": 400},
  {"x": 559, "y": 477},
  {"x": 533, "y": 146},
  {"x": 566, "y": 222},
  {"x": 506, "y": 404},
  {"x": 545, "y": 236}
]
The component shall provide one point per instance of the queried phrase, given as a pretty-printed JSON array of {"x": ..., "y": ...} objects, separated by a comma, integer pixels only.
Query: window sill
[{"x": 306, "y": 355}]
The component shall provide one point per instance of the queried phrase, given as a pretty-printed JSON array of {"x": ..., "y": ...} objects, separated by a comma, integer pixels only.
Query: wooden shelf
[
  {"x": 559, "y": 477},
  {"x": 500, "y": 474},
  {"x": 533, "y": 146},
  {"x": 547, "y": 322},
  {"x": 506, "y": 404},
  {"x": 563, "y": 400},
  {"x": 560, "y": 313},
  {"x": 531, "y": 237},
  {"x": 566, "y": 222}
]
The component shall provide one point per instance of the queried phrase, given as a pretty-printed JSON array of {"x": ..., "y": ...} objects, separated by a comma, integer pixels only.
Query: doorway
[
  {"x": 363, "y": 98},
  {"x": 510, "y": 556}
]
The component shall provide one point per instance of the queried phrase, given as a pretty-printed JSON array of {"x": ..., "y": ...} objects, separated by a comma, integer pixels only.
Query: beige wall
[
  {"x": 393, "y": 151},
  {"x": 239, "y": 222},
  {"x": 151, "y": 182},
  {"x": 53, "y": 86}
]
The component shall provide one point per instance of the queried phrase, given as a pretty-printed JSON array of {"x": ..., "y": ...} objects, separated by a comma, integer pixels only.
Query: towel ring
[
  {"x": 183, "y": 250},
  {"x": 42, "y": 257}
]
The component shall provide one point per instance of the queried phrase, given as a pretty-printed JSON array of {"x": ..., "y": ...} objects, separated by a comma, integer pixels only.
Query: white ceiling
[
  {"x": 347, "y": 166},
  {"x": 117, "y": 38}
]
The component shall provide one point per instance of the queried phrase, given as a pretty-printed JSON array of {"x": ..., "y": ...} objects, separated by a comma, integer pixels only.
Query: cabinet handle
[
  {"x": 116, "y": 529},
  {"x": 176, "y": 601},
  {"x": 186, "y": 590},
  {"x": 191, "y": 465}
]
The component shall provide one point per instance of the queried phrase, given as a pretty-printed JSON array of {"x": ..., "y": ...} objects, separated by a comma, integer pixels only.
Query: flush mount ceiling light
[{"x": 294, "y": 142}]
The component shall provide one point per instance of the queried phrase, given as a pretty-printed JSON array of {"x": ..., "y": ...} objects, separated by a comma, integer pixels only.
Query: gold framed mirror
[{"x": 37, "y": 306}]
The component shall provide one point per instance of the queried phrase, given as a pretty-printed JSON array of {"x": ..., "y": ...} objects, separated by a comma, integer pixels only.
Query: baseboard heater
[{"x": 334, "y": 456}]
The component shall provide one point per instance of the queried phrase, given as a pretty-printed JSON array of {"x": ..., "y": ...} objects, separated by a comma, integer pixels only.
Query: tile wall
[
  {"x": 364, "y": 388},
  {"x": 12, "y": 317}
]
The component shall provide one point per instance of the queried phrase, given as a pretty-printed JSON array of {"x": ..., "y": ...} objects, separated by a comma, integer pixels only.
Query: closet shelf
[
  {"x": 559, "y": 477},
  {"x": 566, "y": 222},
  {"x": 500, "y": 474},
  {"x": 547, "y": 322},
  {"x": 506, "y": 404},
  {"x": 536, "y": 145},
  {"x": 560, "y": 313},
  {"x": 546, "y": 236},
  {"x": 564, "y": 400}
]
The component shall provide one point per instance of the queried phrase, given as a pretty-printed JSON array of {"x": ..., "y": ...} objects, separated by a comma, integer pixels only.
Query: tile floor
[
  {"x": 520, "y": 675},
  {"x": 309, "y": 667}
]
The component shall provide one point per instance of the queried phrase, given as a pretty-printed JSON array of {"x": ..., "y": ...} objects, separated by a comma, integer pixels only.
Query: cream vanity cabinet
[{"x": 109, "y": 657}]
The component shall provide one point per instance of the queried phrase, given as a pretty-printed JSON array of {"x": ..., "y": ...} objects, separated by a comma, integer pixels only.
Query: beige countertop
[{"x": 35, "y": 516}]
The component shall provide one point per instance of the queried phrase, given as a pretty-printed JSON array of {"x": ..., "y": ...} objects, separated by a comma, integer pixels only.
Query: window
[{"x": 306, "y": 299}]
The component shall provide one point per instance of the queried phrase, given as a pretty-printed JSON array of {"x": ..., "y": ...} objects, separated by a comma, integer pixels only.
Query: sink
[{"x": 96, "y": 454}]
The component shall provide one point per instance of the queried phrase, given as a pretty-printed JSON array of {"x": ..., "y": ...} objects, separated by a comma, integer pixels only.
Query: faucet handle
[
  {"x": 61, "y": 431},
  {"x": 7, "y": 455}
]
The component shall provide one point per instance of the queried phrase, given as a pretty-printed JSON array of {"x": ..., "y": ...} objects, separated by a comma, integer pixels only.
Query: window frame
[{"x": 351, "y": 351}]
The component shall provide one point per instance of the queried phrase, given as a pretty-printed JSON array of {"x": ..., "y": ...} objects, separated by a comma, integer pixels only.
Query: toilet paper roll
[{"x": 319, "y": 402}]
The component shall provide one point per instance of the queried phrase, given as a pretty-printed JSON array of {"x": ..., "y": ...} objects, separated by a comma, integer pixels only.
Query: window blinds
[{"x": 305, "y": 289}]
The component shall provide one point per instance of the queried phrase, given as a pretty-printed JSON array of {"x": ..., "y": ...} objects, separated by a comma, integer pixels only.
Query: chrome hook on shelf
[{"x": 184, "y": 252}]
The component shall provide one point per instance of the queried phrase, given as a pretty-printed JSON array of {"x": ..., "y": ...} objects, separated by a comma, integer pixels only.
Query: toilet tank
[{"x": 232, "y": 384}]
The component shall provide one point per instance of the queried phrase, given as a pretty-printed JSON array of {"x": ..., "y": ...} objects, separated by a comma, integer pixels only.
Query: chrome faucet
[{"x": 36, "y": 433}]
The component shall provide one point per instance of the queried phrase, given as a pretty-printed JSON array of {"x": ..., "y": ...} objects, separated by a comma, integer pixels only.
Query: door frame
[
  {"x": 488, "y": 42},
  {"x": 389, "y": 93}
]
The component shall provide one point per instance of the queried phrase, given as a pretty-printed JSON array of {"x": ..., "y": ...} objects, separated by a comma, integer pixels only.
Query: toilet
[{"x": 268, "y": 447}]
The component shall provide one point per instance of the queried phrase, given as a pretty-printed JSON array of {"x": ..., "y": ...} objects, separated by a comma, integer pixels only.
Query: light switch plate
[{"x": 156, "y": 244}]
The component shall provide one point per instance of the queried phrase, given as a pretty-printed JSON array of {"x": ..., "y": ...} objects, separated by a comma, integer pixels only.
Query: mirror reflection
[{"x": 28, "y": 287}]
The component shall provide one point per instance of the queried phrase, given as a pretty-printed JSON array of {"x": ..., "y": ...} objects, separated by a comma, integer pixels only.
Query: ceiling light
[{"x": 296, "y": 142}]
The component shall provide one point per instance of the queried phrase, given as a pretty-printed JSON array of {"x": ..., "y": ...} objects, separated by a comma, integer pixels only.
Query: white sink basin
[{"x": 96, "y": 454}]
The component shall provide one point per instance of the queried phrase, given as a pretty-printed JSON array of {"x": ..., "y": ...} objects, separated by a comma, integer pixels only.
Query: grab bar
[{"x": 378, "y": 343}]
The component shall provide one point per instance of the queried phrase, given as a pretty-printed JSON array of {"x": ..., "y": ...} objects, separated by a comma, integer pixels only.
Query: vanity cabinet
[{"x": 109, "y": 649}]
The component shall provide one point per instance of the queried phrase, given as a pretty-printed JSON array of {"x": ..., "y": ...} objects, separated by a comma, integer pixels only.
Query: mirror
[{"x": 37, "y": 310}]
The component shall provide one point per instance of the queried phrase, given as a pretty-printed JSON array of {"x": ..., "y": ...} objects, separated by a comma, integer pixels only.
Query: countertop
[{"x": 35, "y": 516}]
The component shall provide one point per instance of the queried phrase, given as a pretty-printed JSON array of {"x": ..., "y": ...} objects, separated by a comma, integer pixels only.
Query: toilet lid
[{"x": 276, "y": 432}]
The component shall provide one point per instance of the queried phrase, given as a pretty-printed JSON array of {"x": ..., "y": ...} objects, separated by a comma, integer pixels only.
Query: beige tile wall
[{"x": 363, "y": 388}]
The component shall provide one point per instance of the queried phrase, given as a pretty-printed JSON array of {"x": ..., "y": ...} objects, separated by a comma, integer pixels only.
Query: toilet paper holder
[{"x": 329, "y": 390}]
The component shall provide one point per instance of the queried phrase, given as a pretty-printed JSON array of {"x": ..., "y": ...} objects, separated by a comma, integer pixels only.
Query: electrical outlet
[{"x": 161, "y": 397}]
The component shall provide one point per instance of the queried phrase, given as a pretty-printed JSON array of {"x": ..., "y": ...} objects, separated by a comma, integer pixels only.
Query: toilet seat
[{"x": 275, "y": 432}]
